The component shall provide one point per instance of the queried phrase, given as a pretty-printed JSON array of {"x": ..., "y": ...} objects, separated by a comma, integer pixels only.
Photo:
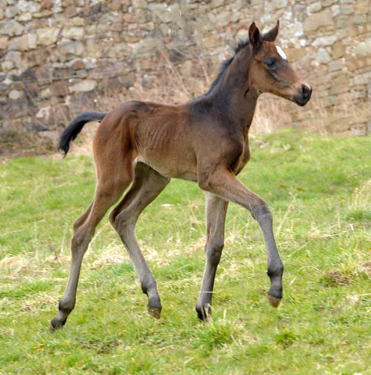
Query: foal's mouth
[{"x": 303, "y": 97}]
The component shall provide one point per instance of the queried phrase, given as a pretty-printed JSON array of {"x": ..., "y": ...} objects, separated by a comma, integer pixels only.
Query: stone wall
[{"x": 59, "y": 57}]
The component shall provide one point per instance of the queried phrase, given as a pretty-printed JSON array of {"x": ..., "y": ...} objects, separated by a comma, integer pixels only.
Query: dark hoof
[
  {"x": 274, "y": 301},
  {"x": 155, "y": 312},
  {"x": 204, "y": 314},
  {"x": 55, "y": 324}
]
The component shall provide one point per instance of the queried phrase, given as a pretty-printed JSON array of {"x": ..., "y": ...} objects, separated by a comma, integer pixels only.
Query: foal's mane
[{"x": 226, "y": 63}]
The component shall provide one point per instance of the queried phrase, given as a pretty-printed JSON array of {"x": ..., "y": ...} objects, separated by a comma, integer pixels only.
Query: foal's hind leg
[
  {"x": 106, "y": 195},
  {"x": 147, "y": 185},
  {"x": 215, "y": 216}
]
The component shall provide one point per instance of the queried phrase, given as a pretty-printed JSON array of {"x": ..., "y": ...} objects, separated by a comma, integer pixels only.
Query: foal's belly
[{"x": 171, "y": 168}]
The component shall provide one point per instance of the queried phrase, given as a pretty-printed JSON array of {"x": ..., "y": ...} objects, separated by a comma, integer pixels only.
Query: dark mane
[
  {"x": 225, "y": 64},
  {"x": 241, "y": 44}
]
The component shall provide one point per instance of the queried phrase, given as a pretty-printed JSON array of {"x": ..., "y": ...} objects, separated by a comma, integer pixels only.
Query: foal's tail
[{"x": 74, "y": 128}]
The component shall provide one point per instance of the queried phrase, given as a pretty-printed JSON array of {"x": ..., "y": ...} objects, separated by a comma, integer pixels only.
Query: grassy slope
[{"x": 319, "y": 191}]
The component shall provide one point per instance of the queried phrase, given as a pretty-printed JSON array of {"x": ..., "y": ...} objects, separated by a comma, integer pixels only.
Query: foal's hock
[{"x": 142, "y": 145}]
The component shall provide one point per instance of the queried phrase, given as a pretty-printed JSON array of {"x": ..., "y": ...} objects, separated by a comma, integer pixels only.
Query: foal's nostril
[{"x": 306, "y": 91}]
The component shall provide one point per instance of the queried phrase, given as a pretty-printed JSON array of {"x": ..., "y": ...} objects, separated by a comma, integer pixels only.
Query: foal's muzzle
[{"x": 303, "y": 97}]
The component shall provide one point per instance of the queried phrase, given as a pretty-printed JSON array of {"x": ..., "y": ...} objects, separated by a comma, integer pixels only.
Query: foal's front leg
[
  {"x": 226, "y": 185},
  {"x": 215, "y": 216}
]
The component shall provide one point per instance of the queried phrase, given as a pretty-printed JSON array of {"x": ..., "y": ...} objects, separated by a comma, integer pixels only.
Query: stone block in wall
[
  {"x": 115, "y": 5},
  {"x": 29, "y": 75},
  {"x": 7, "y": 66},
  {"x": 361, "y": 79},
  {"x": 132, "y": 36},
  {"x": 223, "y": 18},
  {"x": 70, "y": 11},
  {"x": 44, "y": 75},
  {"x": 11, "y": 11},
  {"x": 69, "y": 50},
  {"x": 294, "y": 54},
  {"x": 122, "y": 50},
  {"x": 116, "y": 26},
  {"x": 127, "y": 80},
  {"x": 363, "y": 48},
  {"x": 15, "y": 57},
  {"x": 109, "y": 18},
  {"x": 216, "y": 3},
  {"x": 338, "y": 83},
  {"x": 80, "y": 102},
  {"x": 322, "y": 56},
  {"x": 3, "y": 42},
  {"x": 15, "y": 94},
  {"x": 25, "y": 17},
  {"x": 31, "y": 90},
  {"x": 37, "y": 57},
  {"x": 203, "y": 24},
  {"x": 335, "y": 66},
  {"x": 75, "y": 33},
  {"x": 19, "y": 43},
  {"x": 277, "y": 4},
  {"x": 45, "y": 94},
  {"x": 146, "y": 46},
  {"x": 11, "y": 28},
  {"x": 46, "y": 4},
  {"x": 161, "y": 11},
  {"x": 362, "y": 6},
  {"x": 337, "y": 50},
  {"x": 84, "y": 86},
  {"x": 60, "y": 21},
  {"x": 325, "y": 41},
  {"x": 317, "y": 20},
  {"x": 110, "y": 87},
  {"x": 78, "y": 64},
  {"x": 43, "y": 14},
  {"x": 78, "y": 21},
  {"x": 59, "y": 89},
  {"x": 315, "y": 7},
  {"x": 29, "y": 6},
  {"x": 343, "y": 21},
  {"x": 347, "y": 9},
  {"x": 94, "y": 48},
  {"x": 47, "y": 35},
  {"x": 62, "y": 74}
]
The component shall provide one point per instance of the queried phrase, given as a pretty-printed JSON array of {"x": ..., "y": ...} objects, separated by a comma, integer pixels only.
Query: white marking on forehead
[{"x": 281, "y": 53}]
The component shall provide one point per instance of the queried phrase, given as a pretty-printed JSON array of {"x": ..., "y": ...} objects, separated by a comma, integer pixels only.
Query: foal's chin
[{"x": 299, "y": 101}]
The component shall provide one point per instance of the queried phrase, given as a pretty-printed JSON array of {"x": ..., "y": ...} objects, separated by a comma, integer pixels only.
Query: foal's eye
[{"x": 270, "y": 64}]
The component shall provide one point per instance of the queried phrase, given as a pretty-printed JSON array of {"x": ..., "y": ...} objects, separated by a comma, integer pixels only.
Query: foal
[{"x": 205, "y": 140}]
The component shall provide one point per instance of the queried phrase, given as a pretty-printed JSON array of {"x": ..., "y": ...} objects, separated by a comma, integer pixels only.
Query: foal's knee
[
  {"x": 121, "y": 221},
  {"x": 261, "y": 212},
  {"x": 214, "y": 252},
  {"x": 81, "y": 238}
]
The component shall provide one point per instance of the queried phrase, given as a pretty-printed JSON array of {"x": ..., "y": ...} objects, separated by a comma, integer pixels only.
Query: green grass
[{"x": 319, "y": 190}]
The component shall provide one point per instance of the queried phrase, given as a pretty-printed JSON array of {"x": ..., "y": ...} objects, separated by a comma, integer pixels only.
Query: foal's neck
[{"x": 239, "y": 100}]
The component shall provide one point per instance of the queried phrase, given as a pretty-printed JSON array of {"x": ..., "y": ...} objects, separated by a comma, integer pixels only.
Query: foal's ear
[
  {"x": 254, "y": 36},
  {"x": 271, "y": 35}
]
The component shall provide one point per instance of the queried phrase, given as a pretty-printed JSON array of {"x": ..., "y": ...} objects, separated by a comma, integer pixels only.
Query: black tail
[{"x": 74, "y": 128}]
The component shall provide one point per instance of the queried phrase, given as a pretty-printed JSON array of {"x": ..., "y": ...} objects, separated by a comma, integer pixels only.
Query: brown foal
[{"x": 143, "y": 145}]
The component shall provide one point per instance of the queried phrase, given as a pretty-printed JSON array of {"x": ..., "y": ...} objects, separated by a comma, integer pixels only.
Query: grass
[{"x": 319, "y": 190}]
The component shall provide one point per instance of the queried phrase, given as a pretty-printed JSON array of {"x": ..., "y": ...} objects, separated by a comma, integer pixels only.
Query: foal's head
[{"x": 270, "y": 71}]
